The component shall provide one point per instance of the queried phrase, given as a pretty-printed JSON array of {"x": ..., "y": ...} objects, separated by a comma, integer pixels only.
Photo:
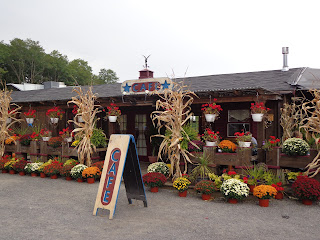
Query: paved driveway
[{"x": 36, "y": 208}]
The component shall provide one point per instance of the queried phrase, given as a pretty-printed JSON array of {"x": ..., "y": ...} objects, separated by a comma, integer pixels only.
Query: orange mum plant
[
  {"x": 91, "y": 172},
  {"x": 264, "y": 191},
  {"x": 227, "y": 146}
]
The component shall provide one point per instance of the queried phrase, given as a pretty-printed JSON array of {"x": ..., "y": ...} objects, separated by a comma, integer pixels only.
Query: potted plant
[
  {"x": 54, "y": 114},
  {"x": 159, "y": 167},
  {"x": 76, "y": 111},
  {"x": 3, "y": 161},
  {"x": 243, "y": 139},
  {"x": 66, "y": 134},
  {"x": 279, "y": 188},
  {"x": 306, "y": 189},
  {"x": 98, "y": 138},
  {"x": 25, "y": 139},
  {"x": 9, "y": 165},
  {"x": 211, "y": 138},
  {"x": 65, "y": 171},
  {"x": 182, "y": 185},
  {"x": 99, "y": 165},
  {"x": 295, "y": 147},
  {"x": 271, "y": 143},
  {"x": 55, "y": 142},
  {"x": 211, "y": 110},
  {"x": 254, "y": 176},
  {"x": 154, "y": 180},
  {"x": 30, "y": 116},
  {"x": 45, "y": 134},
  {"x": 206, "y": 188},
  {"x": 264, "y": 193},
  {"x": 76, "y": 172},
  {"x": 32, "y": 168},
  {"x": 53, "y": 169},
  {"x": 19, "y": 166},
  {"x": 258, "y": 110},
  {"x": 71, "y": 161},
  {"x": 40, "y": 169},
  {"x": 113, "y": 112},
  {"x": 234, "y": 190},
  {"x": 91, "y": 173},
  {"x": 227, "y": 146},
  {"x": 202, "y": 168}
]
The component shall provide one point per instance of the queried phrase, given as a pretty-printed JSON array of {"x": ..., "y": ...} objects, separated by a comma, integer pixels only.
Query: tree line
[{"x": 26, "y": 61}]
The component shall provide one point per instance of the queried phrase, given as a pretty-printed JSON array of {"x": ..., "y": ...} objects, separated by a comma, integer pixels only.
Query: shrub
[
  {"x": 76, "y": 171},
  {"x": 295, "y": 146},
  {"x": 65, "y": 171},
  {"x": 91, "y": 172},
  {"x": 20, "y": 165},
  {"x": 205, "y": 187},
  {"x": 159, "y": 167},
  {"x": 3, "y": 160},
  {"x": 32, "y": 167},
  {"x": 98, "y": 138},
  {"x": 9, "y": 165},
  {"x": 234, "y": 188},
  {"x": 55, "y": 142},
  {"x": 227, "y": 146},
  {"x": 306, "y": 188},
  {"x": 154, "y": 179}
]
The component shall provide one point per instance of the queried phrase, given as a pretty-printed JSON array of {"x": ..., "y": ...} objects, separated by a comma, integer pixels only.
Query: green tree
[
  {"x": 57, "y": 67},
  {"x": 107, "y": 76},
  {"x": 79, "y": 73}
]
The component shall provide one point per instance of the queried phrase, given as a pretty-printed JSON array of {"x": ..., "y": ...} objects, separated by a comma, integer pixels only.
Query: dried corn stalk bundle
[
  {"x": 311, "y": 124},
  {"x": 172, "y": 112},
  {"x": 88, "y": 110},
  {"x": 7, "y": 110}
]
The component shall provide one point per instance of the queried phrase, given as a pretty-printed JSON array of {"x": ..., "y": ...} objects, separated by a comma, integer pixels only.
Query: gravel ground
[{"x": 36, "y": 208}]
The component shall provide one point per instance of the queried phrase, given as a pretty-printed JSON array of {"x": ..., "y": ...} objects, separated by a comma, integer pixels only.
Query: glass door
[{"x": 141, "y": 135}]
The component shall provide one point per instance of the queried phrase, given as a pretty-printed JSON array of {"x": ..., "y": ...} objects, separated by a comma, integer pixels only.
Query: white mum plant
[
  {"x": 234, "y": 188},
  {"x": 159, "y": 167}
]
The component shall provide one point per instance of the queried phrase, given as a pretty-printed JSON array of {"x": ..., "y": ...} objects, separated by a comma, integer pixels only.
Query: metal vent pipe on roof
[{"x": 285, "y": 52}]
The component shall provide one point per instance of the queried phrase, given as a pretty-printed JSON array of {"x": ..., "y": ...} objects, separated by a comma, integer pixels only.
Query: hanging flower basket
[
  {"x": 30, "y": 120},
  {"x": 69, "y": 139},
  {"x": 257, "y": 117},
  {"x": 210, "y": 117},
  {"x": 54, "y": 120},
  {"x": 112, "y": 118}
]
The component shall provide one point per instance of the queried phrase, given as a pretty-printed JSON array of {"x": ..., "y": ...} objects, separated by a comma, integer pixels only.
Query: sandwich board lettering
[{"x": 121, "y": 161}]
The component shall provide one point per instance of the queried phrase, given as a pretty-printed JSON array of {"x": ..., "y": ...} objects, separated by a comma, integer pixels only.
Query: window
[
  {"x": 123, "y": 124},
  {"x": 140, "y": 128},
  {"x": 238, "y": 120}
]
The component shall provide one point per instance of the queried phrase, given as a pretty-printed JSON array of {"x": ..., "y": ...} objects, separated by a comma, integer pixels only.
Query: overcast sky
[{"x": 189, "y": 38}]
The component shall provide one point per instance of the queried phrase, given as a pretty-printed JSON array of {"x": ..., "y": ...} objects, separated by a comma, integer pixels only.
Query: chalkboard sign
[{"x": 121, "y": 160}]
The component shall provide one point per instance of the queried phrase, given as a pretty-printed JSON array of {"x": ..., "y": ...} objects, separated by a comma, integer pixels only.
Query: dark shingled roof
[{"x": 273, "y": 81}]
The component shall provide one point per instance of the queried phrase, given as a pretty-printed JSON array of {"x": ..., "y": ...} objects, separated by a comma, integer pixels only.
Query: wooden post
[
  {"x": 33, "y": 151},
  {"x": 65, "y": 151},
  {"x": 43, "y": 151},
  {"x": 18, "y": 150}
]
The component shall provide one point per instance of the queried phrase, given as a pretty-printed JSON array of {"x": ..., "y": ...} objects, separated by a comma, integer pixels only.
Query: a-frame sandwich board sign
[{"x": 121, "y": 160}]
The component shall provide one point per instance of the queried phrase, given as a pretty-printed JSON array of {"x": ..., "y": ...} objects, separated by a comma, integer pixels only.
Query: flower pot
[
  {"x": 232, "y": 200},
  {"x": 211, "y": 144},
  {"x": 206, "y": 196},
  {"x": 79, "y": 180},
  {"x": 152, "y": 159},
  {"x": 68, "y": 178},
  {"x": 257, "y": 117},
  {"x": 90, "y": 180},
  {"x": 244, "y": 144},
  {"x": 4, "y": 171},
  {"x": 12, "y": 171},
  {"x": 210, "y": 117},
  {"x": 55, "y": 176},
  {"x": 54, "y": 120},
  {"x": 112, "y": 118},
  {"x": 80, "y": 119},
  {"x": 22, "y": 173},
  {"x": 307, "y": 202},
  {"x": 30, "y": 120},
  {"x": 34, "y": 174},
  {"x": 42, "y": 175},
  {"x": 251, "y": 187},
  {"x": 279, "y": 196},
  {"x": 264, "y": 202},
  {"x": 154, "y": 189},
  {"x": 69, "y": 139},
  {"x": 8, "y": 121},
  {"x": 183, "y": 194},
  {"x": 46, "y": 139}
]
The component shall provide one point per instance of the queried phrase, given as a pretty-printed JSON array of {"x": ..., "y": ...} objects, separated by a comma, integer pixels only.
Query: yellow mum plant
[
  {"x": 227, "y": 146},
  {"x": 181, "y": 184},
  {"x": 264, "y": 191},
  {"x": 91, "y": 172}
]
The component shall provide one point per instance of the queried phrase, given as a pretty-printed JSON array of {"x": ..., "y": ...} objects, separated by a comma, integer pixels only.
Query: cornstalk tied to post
[
  {"x": 7, "y": 110},
  {"x": 88, "y": 110},
  {"x": 311, "y": 123},
  {"x": 172, "y": 112}
]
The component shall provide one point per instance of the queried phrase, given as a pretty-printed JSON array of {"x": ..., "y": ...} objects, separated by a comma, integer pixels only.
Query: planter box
[{"x": 275, "y": 157}]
